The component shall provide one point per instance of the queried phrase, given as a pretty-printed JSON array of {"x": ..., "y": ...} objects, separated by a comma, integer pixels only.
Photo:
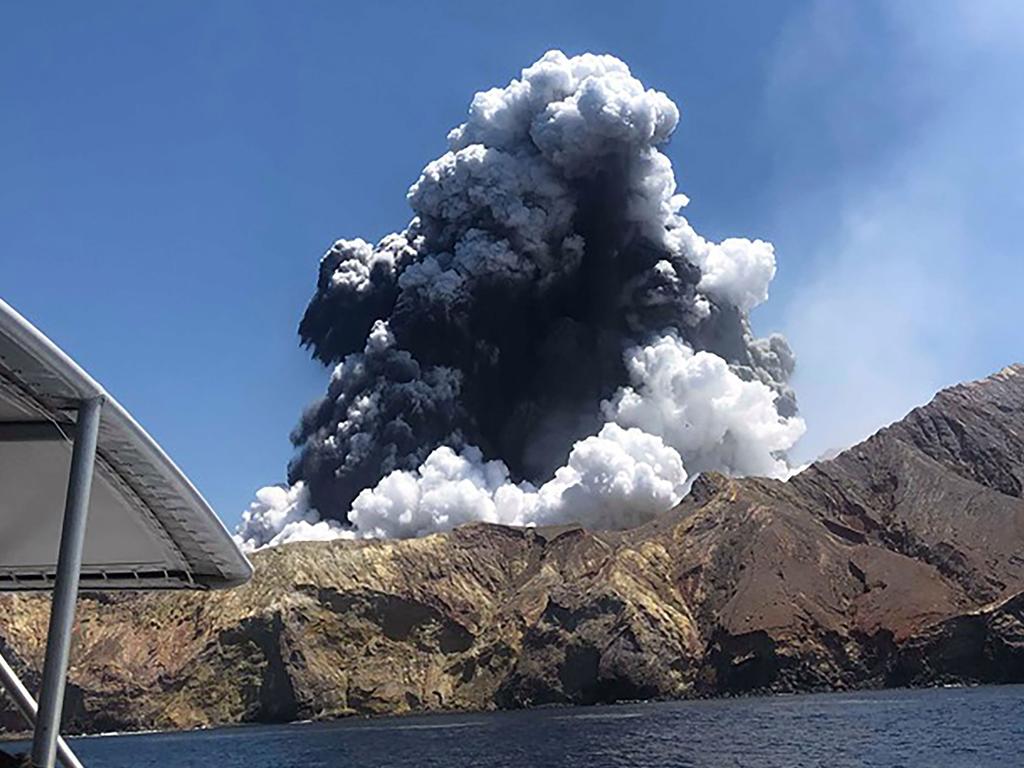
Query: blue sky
[{"x": 171, "y": 174}]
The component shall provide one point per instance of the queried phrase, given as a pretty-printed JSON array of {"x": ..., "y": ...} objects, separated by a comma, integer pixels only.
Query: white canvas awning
[
  {"x": 148, "y": 527},
  {"x": 88, "y": 499}
]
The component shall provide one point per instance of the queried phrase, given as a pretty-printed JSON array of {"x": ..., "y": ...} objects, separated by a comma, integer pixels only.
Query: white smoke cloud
[
  {"x": 618, "y": 478},
  {"x": 684, "y": 412},
  {"x": 281, "y": 514},
  {"x": 702, "y": 409},
  {"x": 571, "y": 108},
  {"x": 522, "y": 195},
  {"x": 607, "y": 108},
  {"x": 359, "y": 259},
  {"x": 613, "y": 479}
]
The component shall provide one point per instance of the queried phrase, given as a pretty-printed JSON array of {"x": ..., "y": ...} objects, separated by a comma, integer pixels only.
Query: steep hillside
[{"x": 899, "y": 561}]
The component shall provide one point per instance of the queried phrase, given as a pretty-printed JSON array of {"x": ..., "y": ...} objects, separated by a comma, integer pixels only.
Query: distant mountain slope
[
  {"x": 942, "y": 485},
  {"x": 899, "y": 561},
  {"x": 975, "y": 430}
]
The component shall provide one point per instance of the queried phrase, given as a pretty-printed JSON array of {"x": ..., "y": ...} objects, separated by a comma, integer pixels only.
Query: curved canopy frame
[
  {"x": 131, "y": 519},
  {"x": 149, "y": 526}
]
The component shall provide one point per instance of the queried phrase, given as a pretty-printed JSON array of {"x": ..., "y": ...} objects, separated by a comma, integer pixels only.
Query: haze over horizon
[{"x": 193, "y": 202}]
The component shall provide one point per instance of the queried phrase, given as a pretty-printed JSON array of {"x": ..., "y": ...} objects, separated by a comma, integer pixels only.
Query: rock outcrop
[
  {"x": 981, "y": 646},
  {"x": 898, "y": 562}
]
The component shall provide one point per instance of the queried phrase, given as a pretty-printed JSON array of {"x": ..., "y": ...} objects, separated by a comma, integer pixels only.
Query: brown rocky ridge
[{"x": 900, "y": 561}]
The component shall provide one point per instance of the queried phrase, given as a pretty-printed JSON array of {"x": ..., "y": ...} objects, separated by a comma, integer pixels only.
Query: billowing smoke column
[{"x": 547, "y": 340}]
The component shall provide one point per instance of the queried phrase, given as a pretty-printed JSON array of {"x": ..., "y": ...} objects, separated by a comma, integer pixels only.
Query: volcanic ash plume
[{"x": 547, "y": 340}]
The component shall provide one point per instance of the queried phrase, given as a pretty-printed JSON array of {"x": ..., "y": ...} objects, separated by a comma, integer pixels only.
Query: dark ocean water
[{"x": 946, "y": 727}]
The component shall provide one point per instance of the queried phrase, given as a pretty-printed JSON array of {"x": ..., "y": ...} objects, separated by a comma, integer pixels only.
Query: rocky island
[{"x": 898, "y": 562}]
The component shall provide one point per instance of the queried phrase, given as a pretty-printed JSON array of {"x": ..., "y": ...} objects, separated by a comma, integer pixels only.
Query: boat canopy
[
  {"x": 87, "y": 499},
  {"x": 148, "y": 527}
]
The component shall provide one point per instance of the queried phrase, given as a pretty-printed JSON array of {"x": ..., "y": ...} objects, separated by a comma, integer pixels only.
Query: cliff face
[{"x": 896, "y": 562}]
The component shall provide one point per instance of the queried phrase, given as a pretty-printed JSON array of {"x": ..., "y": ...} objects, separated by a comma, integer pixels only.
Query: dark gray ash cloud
[{"x": 547, "y": 338}]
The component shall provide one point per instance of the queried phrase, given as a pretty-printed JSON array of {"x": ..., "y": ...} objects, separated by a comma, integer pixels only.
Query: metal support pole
[
  {"x": 27, "y": 706},
  {"x": 65, "y": 588}
]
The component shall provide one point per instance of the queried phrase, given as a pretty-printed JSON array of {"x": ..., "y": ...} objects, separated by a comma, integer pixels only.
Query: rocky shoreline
[{"x": 894, "y": 564}]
